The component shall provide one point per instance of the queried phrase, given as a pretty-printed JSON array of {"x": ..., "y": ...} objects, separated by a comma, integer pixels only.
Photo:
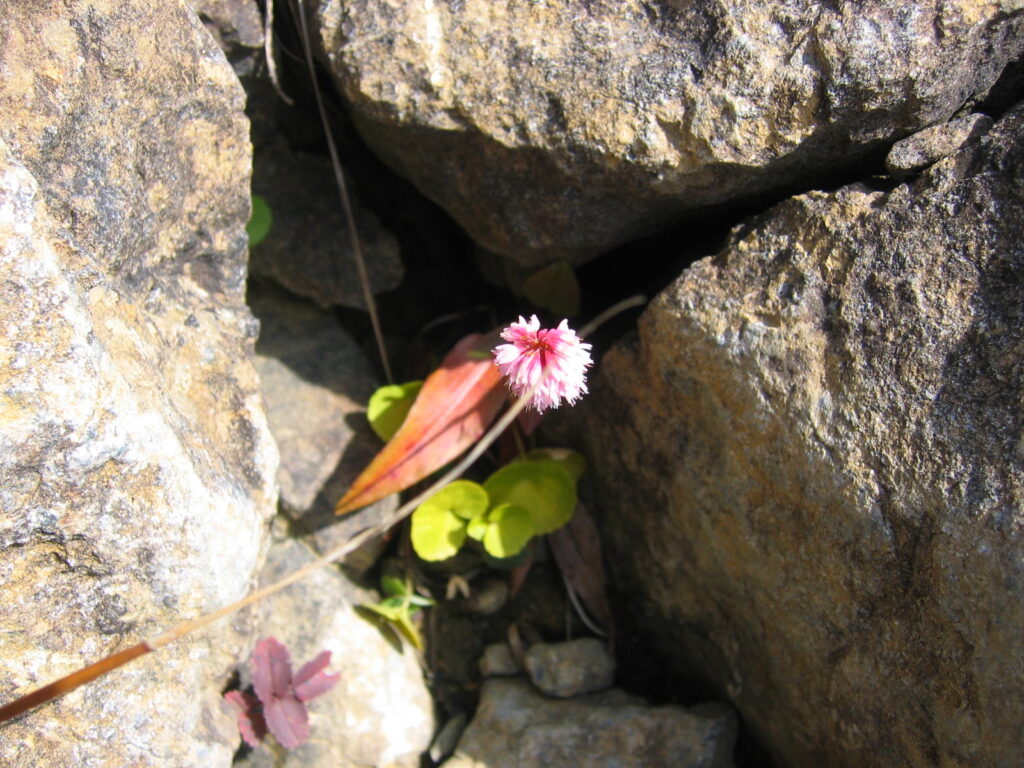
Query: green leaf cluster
[
  {"x": 529, "y": 497},
  {"x": 399, "y": 604}
]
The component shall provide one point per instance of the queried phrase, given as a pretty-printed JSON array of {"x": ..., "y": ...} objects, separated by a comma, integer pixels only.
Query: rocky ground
[{"x": 805, "y": 452}]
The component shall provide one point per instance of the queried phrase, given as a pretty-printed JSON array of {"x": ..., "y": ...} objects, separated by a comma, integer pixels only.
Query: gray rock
[
  {"x": 308, "y": 250},
  {"x": 316, "y": 383},
  {"x": 572, "y": 668},
  {"x": 810, "y": 471},
  {"x": 136, "y": 467},
  {"x": 558, "y": 129},
  {"x": 926, "y": 147},
  {"x": 498, "y": 661},
  {"x": 234, "y": 24},
  {"x": 380, "y": 712},
  {"x": 517, "y": 727}
]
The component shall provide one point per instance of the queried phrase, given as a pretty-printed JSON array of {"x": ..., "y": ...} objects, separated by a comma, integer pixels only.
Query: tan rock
[
  {"x": 309, "y": 247},
  {"x": 557, "y": 129},
  {"x": 136, "y": 468},
  {"x": 810, "y": 475}
]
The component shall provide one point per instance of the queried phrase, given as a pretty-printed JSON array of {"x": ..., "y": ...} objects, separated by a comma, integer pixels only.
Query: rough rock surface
[
  {"x": 518, "y": 727},
  {"x": 557, "y": 129},
  {"x": 380, "y": 712},
  {"x": 136, "y": 468},
  {"x": 920, "y": 150},
  {"x": 316, "y": 383},
  {"x": 812, "y": 468},
  {"x": 308, "y": 249},
  {"x": 571, "y": 668}
]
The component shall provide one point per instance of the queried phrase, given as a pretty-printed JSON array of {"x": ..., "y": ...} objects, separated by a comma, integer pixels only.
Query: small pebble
[
  {"x": 569, "y": 669},
  {"x": 498, "y": 661}
]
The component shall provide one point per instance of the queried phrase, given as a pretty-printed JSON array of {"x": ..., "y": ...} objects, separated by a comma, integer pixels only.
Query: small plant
[
  {"x": 260, "y": 222},
  {"x": 451, "y": 415},
  {"x": 399, "y": 604},
  {"x": 533, "y": 495},
  {"x": 280, "y": 701}
]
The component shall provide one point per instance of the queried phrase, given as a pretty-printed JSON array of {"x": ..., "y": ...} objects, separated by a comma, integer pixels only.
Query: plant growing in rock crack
[
  {"x": 399, "y": 604},
  {"x": 533, "y": 495},
  {"x": 450, "y": 415}
]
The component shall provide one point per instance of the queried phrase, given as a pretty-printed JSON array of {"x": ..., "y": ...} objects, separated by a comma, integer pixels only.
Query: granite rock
[
  {"x": 308, "y": 249},
  {"x": 518, "y": 727},
  {"x": 316, "y": 383},
  {"x": 926, "y": 147},
  {"x": 136, "y": 467},
  {"x": 557, "y": 129},
  {"x": 380, "y": 712},
  {"x": 811, "y": 468}
]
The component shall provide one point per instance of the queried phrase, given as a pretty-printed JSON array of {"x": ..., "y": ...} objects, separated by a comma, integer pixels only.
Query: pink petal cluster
[{"x": 554, "y": 356}]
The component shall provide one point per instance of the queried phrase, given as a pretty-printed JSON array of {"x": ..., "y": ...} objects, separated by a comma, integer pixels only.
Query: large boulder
[
  {"x": 811, "y": 467},
  {"x": 557, "y": 129},
  {"x": 136, "y": 467}
]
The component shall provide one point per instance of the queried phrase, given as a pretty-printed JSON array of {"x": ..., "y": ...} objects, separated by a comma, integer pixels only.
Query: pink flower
[{"x": 554, "y": 356}]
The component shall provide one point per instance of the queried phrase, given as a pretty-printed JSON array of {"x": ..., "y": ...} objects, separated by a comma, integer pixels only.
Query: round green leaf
[
  {"x": 437, "y": 533},
  {"x": 439, "y": 523},
  {"x": 571, "y": 460},
  {"x": 260, "y": 222},
  {"x": 508, "y": 529},
  {"x": 461, "y": 497},
  {"x": 543, "y": 488},
  {"x": 389, "y": 406}
]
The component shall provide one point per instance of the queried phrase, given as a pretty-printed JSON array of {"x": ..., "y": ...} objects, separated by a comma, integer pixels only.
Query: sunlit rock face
[
  {"x": 557, "y": 129},
  {"x": 136, "y": 467},
  {"x": 811, "y": 468}
]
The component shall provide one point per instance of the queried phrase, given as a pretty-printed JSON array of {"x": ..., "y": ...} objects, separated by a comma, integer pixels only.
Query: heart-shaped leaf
[
  {"x": 544, "y": 488},
  {"x": 509, "y": 528},
  {"x": 457, "y": 403},
  {"x": 571, "y": 460},
  {"x": 439, "y": 523},
  {"x": 389, "y": 406}
]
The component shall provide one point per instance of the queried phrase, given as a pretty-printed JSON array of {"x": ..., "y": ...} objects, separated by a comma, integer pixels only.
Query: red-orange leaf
[{"x": 457, "y": 403}]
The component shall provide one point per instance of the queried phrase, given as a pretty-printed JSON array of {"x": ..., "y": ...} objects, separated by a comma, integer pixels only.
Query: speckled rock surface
[
  {"x": 811, "y": 463},
  {"x": 380, "y": 712},
  {"x": 518, "y": 727},
  {"x": 571, "y": 668},
  {"x": 316, "y": 383},
  {"x": 917, "y": 152},
  {"x": 556, "y": 129},
  {"x": 136, "y": 468},
  {"x": 308, "y": 249}
]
